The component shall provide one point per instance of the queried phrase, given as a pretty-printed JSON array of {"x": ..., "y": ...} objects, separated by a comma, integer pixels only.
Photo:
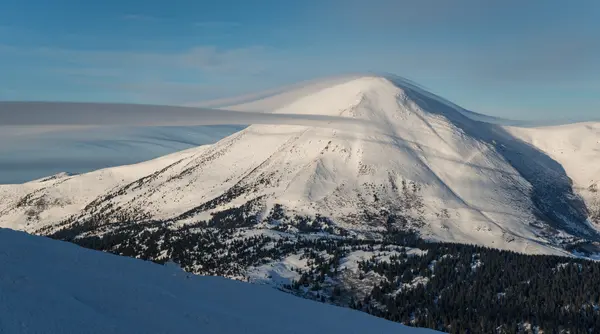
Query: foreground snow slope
[
  {"x": 400, "y": 152},
  {"x": 50, "y": 286}
]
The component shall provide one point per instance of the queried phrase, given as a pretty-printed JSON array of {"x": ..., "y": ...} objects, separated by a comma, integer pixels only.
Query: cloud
[
  {"x": 250, "y": 60},
  {"x": 53, "y": 114},
  {"x": 213, "y": 25},
  {"x": 140, "y": 17},
  {"x": 168, "y": 92},
  {"x": 245, "y": 60},
  {"x": 87, "y": 72},
  {"x": 156, "y": 77}
]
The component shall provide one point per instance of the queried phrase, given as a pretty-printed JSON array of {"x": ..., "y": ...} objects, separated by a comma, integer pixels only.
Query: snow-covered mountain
[
  {"x": 54, "y": 287},
  {"x": 409, "y": 160}
]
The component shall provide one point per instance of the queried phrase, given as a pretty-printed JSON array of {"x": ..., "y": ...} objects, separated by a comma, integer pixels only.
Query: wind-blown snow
[
  {"x": 340, "y": 150},
  {"x": 49, "y": 286}
]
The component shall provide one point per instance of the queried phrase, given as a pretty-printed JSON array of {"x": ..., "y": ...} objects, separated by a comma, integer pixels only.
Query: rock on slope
[
  {"x": 413, "y": 161},
  {"x": 54, "y": 287}
]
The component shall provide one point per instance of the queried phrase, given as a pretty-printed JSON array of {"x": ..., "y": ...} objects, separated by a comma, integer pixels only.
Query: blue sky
[{"x": 517, "y": 59}]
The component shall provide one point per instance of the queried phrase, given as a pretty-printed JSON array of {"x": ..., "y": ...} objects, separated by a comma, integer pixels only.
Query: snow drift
[{"x": 50, "y": 286}]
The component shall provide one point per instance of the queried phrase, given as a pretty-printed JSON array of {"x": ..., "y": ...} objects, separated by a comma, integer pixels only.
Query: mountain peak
[
  {"x": 409, "y": 160},
  {"x": 342, "y": 89}
]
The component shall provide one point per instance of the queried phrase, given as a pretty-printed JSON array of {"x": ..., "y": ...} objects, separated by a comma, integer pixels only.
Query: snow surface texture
[
  {"x": 49, "y": 286},
  {"x": 353, "y": 147}
]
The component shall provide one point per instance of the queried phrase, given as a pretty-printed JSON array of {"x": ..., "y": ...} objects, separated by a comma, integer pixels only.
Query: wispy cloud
[
  {"x": 166, "y": 92},
  {"x": 208, "y": 25},
  {"x": 110, "y": 114},
  {"x": 217, "y": 24},
  {"x": 245, "y": 60},
  {"x": 140, "y": 17},
  {"x": 158, "y": 77},
  {"x": 86, "y": 72}
]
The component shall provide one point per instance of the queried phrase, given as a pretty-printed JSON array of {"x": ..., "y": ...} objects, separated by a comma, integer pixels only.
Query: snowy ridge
[
  {"x": 400, "y": 155},
  {"x": 577, "y": 148},
  {"x": 55, "y": 287}
]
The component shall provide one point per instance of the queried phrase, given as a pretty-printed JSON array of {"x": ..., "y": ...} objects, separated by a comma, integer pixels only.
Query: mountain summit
[{"x": 409, "y": 161}]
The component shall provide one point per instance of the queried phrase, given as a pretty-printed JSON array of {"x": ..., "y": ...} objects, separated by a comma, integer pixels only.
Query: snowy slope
[
  {"x": 54, "y": 198},
  {"x": 54, "y": 287},
  {"x": 404, "y": 153},
  {"x": 577, "y": 148},
  {"x": 271, "y": 100}
]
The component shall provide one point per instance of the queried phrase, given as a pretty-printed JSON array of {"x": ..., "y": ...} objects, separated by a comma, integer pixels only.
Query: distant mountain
[{"x": 409, "y": 160}]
